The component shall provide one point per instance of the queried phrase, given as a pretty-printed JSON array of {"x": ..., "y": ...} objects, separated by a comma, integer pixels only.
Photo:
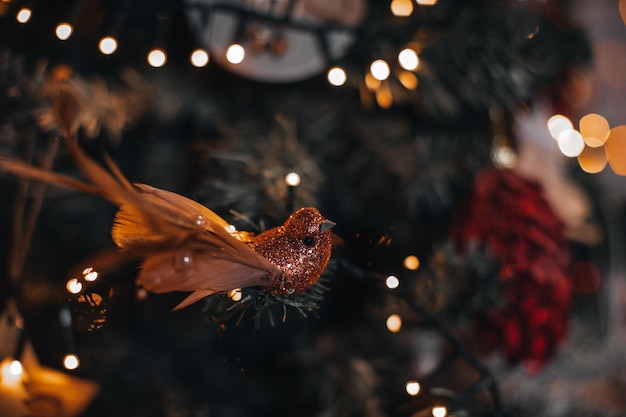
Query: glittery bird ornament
[{"x": 187, "y": 247}]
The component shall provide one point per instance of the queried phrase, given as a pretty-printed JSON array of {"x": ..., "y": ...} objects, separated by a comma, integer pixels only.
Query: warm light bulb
[
  {"x": 557, "y": 124},
  {"x": 199, "y": 58},
  {"x": 380, "y": 69},
  {"x": 235, "y": 54},
  {"x": 595, "y": 129},
  {"x": 11, "y": 371},
  {"x": 408, "y": 80},
  {"x": 571, "y": 143},
  {"x": 392, "y": 282},
  {"x": 15, "y": 367},
  {"x": 24, "y": 15},
  {"x": 70, "y": 361},
  {"x": 427, "y": 2},
  {"x": 439, "y": 411},
  {"x": 235, "y": 294},
  {"x": 157, "y": 57},
  {"x": 413, "y": 388},
  {"x": 401, "y": 8},
  {"x": 74, "y": 286},
  {"x": 108, "y": 45},
  {"x": 64, "y": 31},
  {"x": 292, "y": 179},
  {"x": 394, "y": 323},
  {"x": 90, "y": 274},
  {"x": 411, "y": 262},
  {"x": 408, "y": 59},
  {"x": 337, "y": 76}
]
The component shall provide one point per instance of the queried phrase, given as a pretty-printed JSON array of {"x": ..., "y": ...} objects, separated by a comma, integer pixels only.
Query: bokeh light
[
  {"x": 23, "y": 16},
  {"x": 64, "y": 31},
  {"x": 595, "y": 129},
  {"x": 401, "y": 8},
  {"x": 616, "y": 149},
  {"x": 337, "y": 76},
  {"x": 408, "y": 59},
  {"x": 380, "y": 69},
  {"x": 157, "y": 57},
  {"x": 571, "y": 143},
  {"x": 235, "y": 54},
  {"x": 394, "y": 323},
  {"x": 199, "y": 58},
  {"x": 557, "y": 124},
  {"x": 107, "y": 45}
]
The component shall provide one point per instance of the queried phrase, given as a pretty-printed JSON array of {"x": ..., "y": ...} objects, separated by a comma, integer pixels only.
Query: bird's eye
[{"x": 307, "y": 240}]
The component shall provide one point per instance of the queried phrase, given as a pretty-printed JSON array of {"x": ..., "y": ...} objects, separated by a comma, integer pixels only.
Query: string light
[
  {"x": 408, "y": 59},
  {"x": 74, "y": 286},
  {"x": 401, "y": 8},
  {"x": 571, "y": 143},
  {"x": 157, "y": 57},
  {"x": 439, "y": 411},
  {"x": 408, "y": 80},
  {"x": 235, "y": 294},
  {"x": 392, "y": 282},
  {"x": 292, "y": 179},
  {"x": 107, "y": 45},
  {"x": 235, "y": 54},
  {"x": 595, "y": 129},
  {"x": 427, "y": 2},
  {"x": 413, "y": 388},
  {"x": 64, "y": 31},
  {"x": 592, "y": 160},
  {"x": 11, "y": 371},
  {"x": 394, "y": 323},
  {"x": 616, "y": 149},
  {"x": 557, "y": 124},
  {"x": 411, "y": 262},
  {"x": 380, "y": 69},
  {"x": 90, "y": 274},
  {"x": 337, "y": 76},
  {"x": 70, "y": 361},
  {"x": 23, "y": 15},
  {"x": 199, "y": 58}
]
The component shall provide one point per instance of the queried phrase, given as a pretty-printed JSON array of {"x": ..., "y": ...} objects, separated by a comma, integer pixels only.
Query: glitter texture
[{"x": 298, "y": 248}]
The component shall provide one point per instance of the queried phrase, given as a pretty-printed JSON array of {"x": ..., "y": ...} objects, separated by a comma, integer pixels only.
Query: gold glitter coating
[{"x": 300, "y": 248}]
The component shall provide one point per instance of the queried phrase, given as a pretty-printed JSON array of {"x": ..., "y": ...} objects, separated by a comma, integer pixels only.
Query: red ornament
[{"x": 508, "y": 217}]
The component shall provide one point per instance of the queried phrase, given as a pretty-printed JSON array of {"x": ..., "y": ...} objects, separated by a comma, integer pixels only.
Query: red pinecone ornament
[{"x": 507, "y": 216}]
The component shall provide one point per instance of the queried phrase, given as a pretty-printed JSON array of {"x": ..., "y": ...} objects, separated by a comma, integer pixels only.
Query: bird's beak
[{"x": 326, "y": 225}]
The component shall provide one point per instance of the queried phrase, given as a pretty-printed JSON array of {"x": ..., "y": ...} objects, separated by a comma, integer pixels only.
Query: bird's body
[{"x": 187, "y": 247}]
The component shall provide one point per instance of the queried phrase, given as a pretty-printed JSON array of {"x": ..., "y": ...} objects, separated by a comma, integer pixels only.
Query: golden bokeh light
[
  {"x": 439, "y": 411},
  {"x": 616, "y": 150},
  {"x": 411, "y": 262},
  {"x": 392, "y": 282},
  {"x": 199, "y": 58},
  {"x": 384, "y": 97},
  {"x": 408, "y": 80},
  {"x": 401, "y": 8},
  {"x": 592, "y": 160},
  {"x": 380, "y": 69},
  {"x": 394, "y": 323},
  {"x": 70, "y": 361},
  {"x": 64, "y": 31},
  {"x": 157, "y": 57},
  {"x": 107, "y": 45},
  {"x": 337, "y": 76},
  {"x": 595, "y": 129},
  {"x": 413, "y": 388}
]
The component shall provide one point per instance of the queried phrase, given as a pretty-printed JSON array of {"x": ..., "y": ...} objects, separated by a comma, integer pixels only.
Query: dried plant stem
[{"x": 23, "y": 228}]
